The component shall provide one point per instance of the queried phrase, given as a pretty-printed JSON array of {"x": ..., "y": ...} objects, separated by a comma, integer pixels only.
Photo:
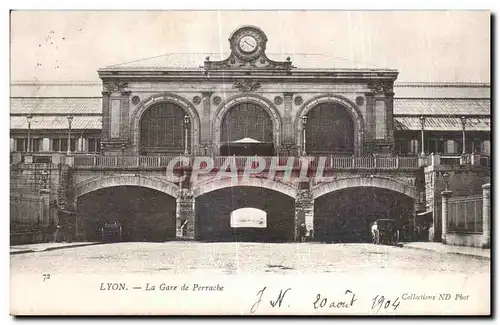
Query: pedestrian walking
[{"x": 302, "y": 232}]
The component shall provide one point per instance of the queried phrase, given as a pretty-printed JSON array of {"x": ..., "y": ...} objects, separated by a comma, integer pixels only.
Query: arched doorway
[
  {"x": 247, "y": 130},
  {"x": 245, "y": 213},
  {"x": 145, "y": 214},
  {"x": 163, "y": 130},
  {"x": 329, "y": 130},
  {"x": 346, "y": 215}
]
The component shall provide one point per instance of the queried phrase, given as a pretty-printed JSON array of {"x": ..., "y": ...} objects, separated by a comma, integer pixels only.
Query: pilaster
[
  {"x": 206, "y": 124},
  {"x": 486, "y": 216},
  {"x": 185, "y": 220},
  {"x": 105, "y": 116},
  {"x": 445, "y": 195},
  {"x": 304, "y": 211}
]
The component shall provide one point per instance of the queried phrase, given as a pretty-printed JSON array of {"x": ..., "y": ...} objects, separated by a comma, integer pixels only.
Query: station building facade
[{"x": 98, "y": 151}]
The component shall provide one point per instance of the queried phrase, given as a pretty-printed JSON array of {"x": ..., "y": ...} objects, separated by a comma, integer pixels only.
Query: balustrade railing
[{"x": 327, "y": 162}]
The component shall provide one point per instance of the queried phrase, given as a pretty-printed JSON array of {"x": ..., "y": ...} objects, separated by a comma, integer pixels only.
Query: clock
[{"x": 248, "y": 44}]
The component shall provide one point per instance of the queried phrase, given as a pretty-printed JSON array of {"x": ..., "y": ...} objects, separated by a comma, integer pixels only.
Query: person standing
[
  {"x": 302, "y": 232},
  {"x": 375, "y": 234}
]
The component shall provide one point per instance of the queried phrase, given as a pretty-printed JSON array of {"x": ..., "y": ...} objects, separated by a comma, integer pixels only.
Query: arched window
[
  {"x": 247, "y": 120},
  {"x": 162, "y": 130},
  {"x": 329, "y": 130}
]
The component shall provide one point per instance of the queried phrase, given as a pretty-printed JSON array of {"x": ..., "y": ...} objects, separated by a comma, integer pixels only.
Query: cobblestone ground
[{"x": 240, "y": 258}]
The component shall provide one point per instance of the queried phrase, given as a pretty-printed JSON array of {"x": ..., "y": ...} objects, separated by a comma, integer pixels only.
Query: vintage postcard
[{"x": 250, "y": 163}]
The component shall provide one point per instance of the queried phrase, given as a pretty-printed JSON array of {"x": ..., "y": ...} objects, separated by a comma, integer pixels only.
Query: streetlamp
[
  {"x": 70, "y": 119},
  {"x": 304, "y": 123},
  {"x": 463, "y": 119},
  {"x": 45, "y": 176},
  {"x": 29, "y": 118},
  {"x": 186, "y": 127},
  {"x": 445, "y": 179},
  {"x": 422, "y": 127}
]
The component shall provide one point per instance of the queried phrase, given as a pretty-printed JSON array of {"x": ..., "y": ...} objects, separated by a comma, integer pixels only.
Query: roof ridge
[
  {"x": 56, "y": 82},
  {"x": 444, "y": 84}
]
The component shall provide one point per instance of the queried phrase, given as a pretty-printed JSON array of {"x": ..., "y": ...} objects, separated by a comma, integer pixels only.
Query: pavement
[
  {"x": 451, "y": 249},
  {"x": 41, "y": 247},
  {"x": 430, "y": 246}
]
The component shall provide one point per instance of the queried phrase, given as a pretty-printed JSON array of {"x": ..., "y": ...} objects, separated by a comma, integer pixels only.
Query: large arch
[
  {"x": 165, "y": 98},
  {"x": 228, "y": 104},
  {"x": 357, "y": 181},
  {"x": 97, "y": 183},
  {"x": 350, "y": 107},
  {"x": 213, "y": 184}
]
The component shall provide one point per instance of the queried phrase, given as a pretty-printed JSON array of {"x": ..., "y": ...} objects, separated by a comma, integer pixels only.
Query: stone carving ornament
[
  {"x": 135, "y": 100},
  {"x": 360, "y": 100},
  {"x": 115, "y": 86},
  {"x": 278, "y": 100},
  {"x": 298, "y": 100},
  {"x": 217, "y": 100},
  {"x": 196, "y": 100},
  {"x": 247, "y": 85},
  {"x": 380, "y": 87}
]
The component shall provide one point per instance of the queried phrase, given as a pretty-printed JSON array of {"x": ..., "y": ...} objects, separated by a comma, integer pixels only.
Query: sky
[{"x": 425, "y": 46}]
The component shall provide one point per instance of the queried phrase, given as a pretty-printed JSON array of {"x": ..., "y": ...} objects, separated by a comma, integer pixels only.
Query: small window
[
  {"x": 485, "y": 147},
  {"x": 21, "y": 144}
]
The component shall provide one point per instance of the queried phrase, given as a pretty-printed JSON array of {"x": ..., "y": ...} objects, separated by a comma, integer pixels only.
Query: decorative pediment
[{"x": 248, "y": 45}]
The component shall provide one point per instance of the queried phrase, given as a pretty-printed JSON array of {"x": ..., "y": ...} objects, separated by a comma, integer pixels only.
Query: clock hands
[{"x": 252, "y": 46}]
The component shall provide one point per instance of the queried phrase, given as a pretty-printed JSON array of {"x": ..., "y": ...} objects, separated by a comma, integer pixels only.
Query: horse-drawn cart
[
  {"x": 388, "y": 231},
  {"x": 111, "y": 231}
]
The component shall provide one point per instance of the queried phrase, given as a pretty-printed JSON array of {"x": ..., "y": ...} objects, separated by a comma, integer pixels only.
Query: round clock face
[{"x": 248, "y": 44}]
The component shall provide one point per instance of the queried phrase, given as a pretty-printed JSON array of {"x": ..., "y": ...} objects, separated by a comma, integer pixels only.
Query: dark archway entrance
[
  {"x": 247, "y": 130},
  {"x": 162, "y": 130},
  {"x": 145, "y": 214},
  {"x": 214, "y": 209},
  {"x": 347, "y": 215},
  {"x": 329, "y": 130}
]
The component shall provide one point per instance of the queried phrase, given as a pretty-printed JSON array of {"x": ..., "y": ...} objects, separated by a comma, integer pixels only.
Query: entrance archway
[
  {"x": 346, "y": 215},
  {"x": 145, "y": 214},
  {"x": 226, "y": 214}
]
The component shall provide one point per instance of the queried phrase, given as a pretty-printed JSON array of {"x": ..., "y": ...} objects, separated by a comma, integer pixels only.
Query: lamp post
[
  {"x": 70, "y": 119},
  {"x": 463, "y": 119},
  {"x": 445, "y": 179},
  {"x": 304, "y": 123},
  {"x": 186, "y": 127},
  {"x": 29, "y": 118},
  {"x": 422, "y": 127}
]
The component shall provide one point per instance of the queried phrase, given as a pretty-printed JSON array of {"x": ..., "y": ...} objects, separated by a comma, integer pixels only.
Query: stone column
[
  {"x": 304, "y": 211},
  {"x": 486, "y": 215},
  {"x": 105, "y": 115},
  {"x": 45, "y": 213},
  {"x": 12, "y": 144},
  {"x": 186, "y": 211},
  {"x": 124, "y": 114},
  {"x": 445, "y": 195},
  {"x": 206, "y": 125}
]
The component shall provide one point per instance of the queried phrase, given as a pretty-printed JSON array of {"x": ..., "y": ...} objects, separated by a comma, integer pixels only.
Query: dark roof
[
  {"x": 441, "y": 106},
  {"x": 58, "y": 105}
]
